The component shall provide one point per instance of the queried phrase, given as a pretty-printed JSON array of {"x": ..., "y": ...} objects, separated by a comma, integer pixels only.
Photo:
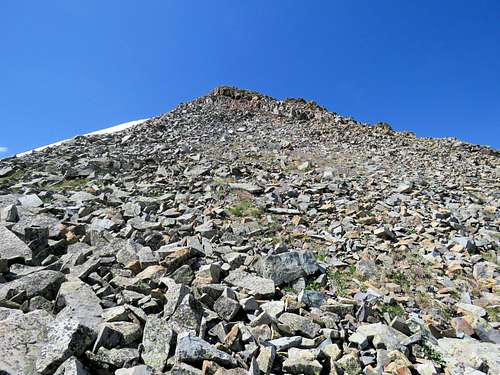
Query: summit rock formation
[{"x": 240, "y": 234}]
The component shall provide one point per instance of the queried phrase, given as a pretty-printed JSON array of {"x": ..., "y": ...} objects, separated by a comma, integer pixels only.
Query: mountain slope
[{"x": 243, "y": 232}]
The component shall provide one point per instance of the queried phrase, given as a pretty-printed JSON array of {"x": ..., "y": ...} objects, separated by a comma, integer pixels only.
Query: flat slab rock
[{"x": 258, "y": 286}]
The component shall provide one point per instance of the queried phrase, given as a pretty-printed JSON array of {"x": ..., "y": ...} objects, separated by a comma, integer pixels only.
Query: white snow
[{"x": 113, "y": 129}]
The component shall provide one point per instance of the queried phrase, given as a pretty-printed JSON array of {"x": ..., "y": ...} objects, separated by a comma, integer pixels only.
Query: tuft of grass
[
  {"x": 288, "y": 289},
  {"x": 342, "y": 279},
  {"x": 491, "y": 256},
  {"x": 425, "y": 301},
  {"x": 313, "y": 285},
  {"x": 493, "y": 313},
  {"x": 74, "y": 184},
  {"x": 401, "y": 278},
  {"x": 321, "y": 256},
  {"x": 433, "y": 355},
  {"x": 13, "y": 177},
  {"x": 245, "y": 208},
  {"x": 392, "y": 309}
]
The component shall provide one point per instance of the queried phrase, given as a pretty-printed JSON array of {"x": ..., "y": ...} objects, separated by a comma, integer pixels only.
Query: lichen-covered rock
[{"x": 156, "y": 341}]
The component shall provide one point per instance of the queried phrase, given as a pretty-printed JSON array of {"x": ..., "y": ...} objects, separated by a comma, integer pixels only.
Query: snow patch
[{"x": 113, "y": 129}]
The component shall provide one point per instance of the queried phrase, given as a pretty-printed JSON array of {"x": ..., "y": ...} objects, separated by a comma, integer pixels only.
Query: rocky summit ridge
[{"x": 240, "y": 234}]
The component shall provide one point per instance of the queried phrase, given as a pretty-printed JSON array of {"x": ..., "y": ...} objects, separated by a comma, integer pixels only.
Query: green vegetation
[
  {"x": 13, "y": 177},
  {"x": 431, "y": 354},
  {"x": 321, "y": 256},
  {"x": 401, "y": 278},
  {"x": 342, "y": 279},
  {"x": 493, "y": 313},
  {"x": 245, "y": 208},
  {"x": 74, "y": 184},
  {"x": 313, "y": 285},
  {"x": 392, "y": 309},
  {"x": 426, "y": 301},
  {"x": 491, "y": 256}
]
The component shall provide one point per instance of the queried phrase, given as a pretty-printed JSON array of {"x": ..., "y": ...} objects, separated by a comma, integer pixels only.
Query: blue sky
[{"x": 68, "y": 67}]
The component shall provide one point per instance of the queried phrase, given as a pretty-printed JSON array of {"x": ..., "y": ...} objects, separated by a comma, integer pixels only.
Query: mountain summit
[{"x": 240, "y": 234}]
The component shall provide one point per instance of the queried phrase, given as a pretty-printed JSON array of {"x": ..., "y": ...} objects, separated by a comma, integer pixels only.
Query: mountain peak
[{"x": 259, "y": 215}]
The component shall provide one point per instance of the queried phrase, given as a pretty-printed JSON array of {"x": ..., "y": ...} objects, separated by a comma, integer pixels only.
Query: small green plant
[
  {"x": 13, "y": 177},
  {"x": 74, "y": 184},
  {"x": 46, "y": 199},
  {"x": 493, "y": 313},
  {"x": 245, "y": 208},
  {"x": 401, "y": 278},
  {"x": 313, "y": 285},
  {"x": 392, "y": 309},
  {"x": 321, "y": 256},
  {"x": 288, "y": 289},
  {"x": 491, "y": 256},
  {"x": 342, "y": 279},
  {"x": 431, "y": 354}
]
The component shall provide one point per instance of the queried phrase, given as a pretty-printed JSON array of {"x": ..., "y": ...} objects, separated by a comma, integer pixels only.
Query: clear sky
[{"x": 68, "y": 67}]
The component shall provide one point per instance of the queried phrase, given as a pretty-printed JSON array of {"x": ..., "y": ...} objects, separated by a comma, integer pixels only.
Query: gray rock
[
  {"x": 174, "y": 295},
  {"x": 311, "y": 298},
  {"x": 287, "y": 267},
  {"x": 30, "y": 201},
  {"x": 284, "y": 343},
  {"x": 301, "y": 361},
  {"x": 300, "y": 324},
  {"x": 227, "y": 308},
  {"x": 42, "y": 283},
  {"x": 471, "y": 353},
  {"x": 115, "y": 314},
  {"x": 117, "y": 334},
  {"x": 258, "y": 286},
  {"x": 187, "y": 316},
  {"x": 251, "y": 188},
  {"x": 350, "y": 363},
  {"x": 20, "y": 334},
  {"x": 9, "y": 214},
  {"x": 192, "y": 349},
  {"x": 6, "y": 171},
  {"x": 72, "y": 366},
  {"x": 38, "y": 342},
  {"x": 183, "y": 275},
  {"x": 78, "y": 301},
  {"x": 136, "y": 370},
  {"x": 117, "y": 358},
  {"x": 382, "y": 334},
  {"x": 65, "y": 337},
  {"x": 12, "y": 248},
  {"x": 185, "y": 369},
  {"x": 6, "y": 312},
  {"x": 156, "y": 341}
]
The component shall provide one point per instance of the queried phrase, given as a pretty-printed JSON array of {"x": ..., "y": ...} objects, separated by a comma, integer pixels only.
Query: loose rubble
[{"x": 240, "y": 234}]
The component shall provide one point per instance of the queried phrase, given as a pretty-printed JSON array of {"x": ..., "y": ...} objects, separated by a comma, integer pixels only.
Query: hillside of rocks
[{"x": 240, "y": 234}]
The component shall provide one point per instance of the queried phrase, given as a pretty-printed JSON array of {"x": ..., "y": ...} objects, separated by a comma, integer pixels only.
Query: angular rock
[
  {"x": 192, "y": 349},
  {"x": 12, "y": 248},
  {"x": 258, "y": 286},
  {"x": 300, "y": 324},
  {"x": 157, "y": 340},
  {"x": 287, "y": 267}
]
